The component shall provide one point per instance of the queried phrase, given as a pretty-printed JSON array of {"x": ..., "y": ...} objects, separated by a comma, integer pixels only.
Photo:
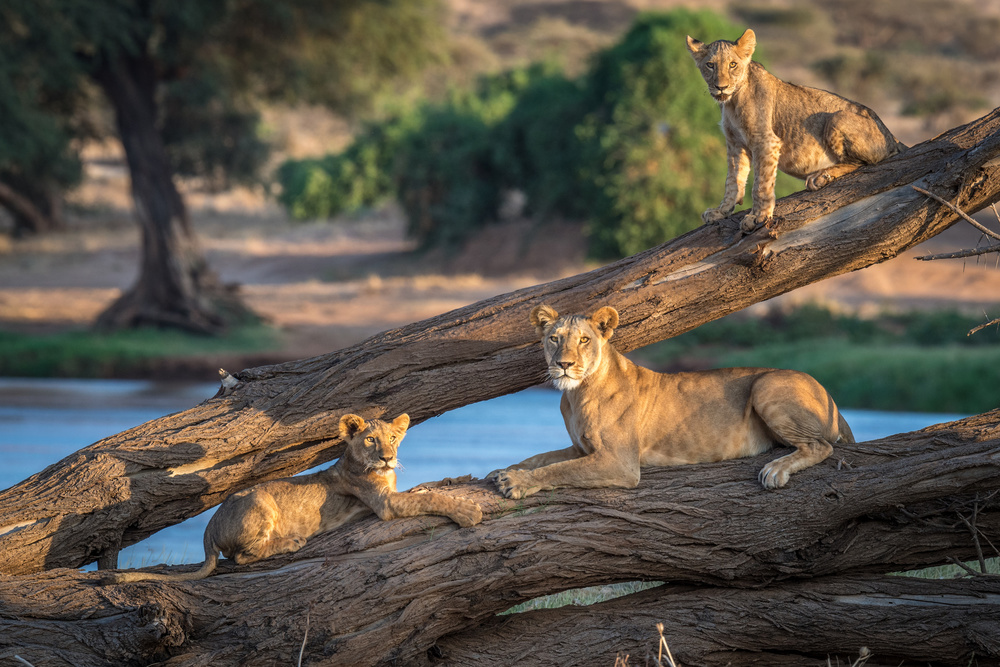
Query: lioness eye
[
  {"x": 584, "y": 339},
  {"x": 554, "y": 339},
  {"x": 370, "y": 440},
  {"x": 710, "y": 65},
  {"x": 732, "y": 65},
  {"x": 392, "y": 438}
]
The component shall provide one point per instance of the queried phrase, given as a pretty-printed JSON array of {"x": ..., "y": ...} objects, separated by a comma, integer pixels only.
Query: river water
[{"x": 43, "y": 421}]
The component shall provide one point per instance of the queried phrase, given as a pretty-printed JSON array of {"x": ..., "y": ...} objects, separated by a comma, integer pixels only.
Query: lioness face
[
  {"x": 374, "y": 443},
  {"x": 724, "y": 64},
  {"x": 573, "y": 344}
]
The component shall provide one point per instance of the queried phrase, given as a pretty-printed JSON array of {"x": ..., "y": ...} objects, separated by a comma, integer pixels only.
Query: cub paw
[
  {"x": 714, "y": 215},
  {"x": 751, "y": 221},
  {"x": 492, "y": 476},
  {"x": 515, "y": 484},
  {"x": 467, "y": 514},
  {"x": 773, "y": 475},
  {"x": 818, "y": 180}
]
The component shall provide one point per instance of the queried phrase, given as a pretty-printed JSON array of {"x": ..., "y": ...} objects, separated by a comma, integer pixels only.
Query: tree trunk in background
[
  {"x": 283, "y": 419},
  {"x": 33, "y": 212},
  {"x": 175, "y": 287},
  {"x": 379, "y": 592}
]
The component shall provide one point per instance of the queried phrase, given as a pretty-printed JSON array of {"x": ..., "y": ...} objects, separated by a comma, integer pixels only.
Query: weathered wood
[
  {"x": 898, "y": 619},
  {"x": 283, "y": 419},
  {"x": 379, "y": 592}
]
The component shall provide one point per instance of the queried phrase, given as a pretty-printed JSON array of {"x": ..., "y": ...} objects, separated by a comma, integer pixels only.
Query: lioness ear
[
  {"x": 542, "y": 316},
  {"x": 746, "y": 44},
  {"x": 605, "y": 319},
  {"x": 695, "y": 47},
  {"x": 402, "y": 422},
  {"x": 351, "y": 425}
]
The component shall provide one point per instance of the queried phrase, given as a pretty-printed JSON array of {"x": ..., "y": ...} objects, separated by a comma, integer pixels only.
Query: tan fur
[
  {"x": 621, "y": 416},
  {"x": 279, "y": 516},
  {"x": 769, "y": 124}
]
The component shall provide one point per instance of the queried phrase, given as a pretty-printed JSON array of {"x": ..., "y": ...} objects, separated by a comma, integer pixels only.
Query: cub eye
[
  {"x": 710, "y": 65},
  {"x": 584, "y": 339},
  {"x": 392, "y": 438},
  {"x": 554, "y": 339},
  {"x": 732, "y": 65},
  {"x": 370, "y": 440}
]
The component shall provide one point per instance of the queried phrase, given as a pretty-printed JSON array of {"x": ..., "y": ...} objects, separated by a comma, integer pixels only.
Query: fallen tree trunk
[
  {"x": 383, "y": 592},
  {"x": 283, "y": 419},
  {"x": 895, "y": 619}
]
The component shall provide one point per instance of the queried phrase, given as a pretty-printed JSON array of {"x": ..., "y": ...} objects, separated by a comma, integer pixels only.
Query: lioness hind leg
[
  {"x": 824, "y": 177},
  {"x": 799, "y": 413},
  {"x": 271, "y": 547}
]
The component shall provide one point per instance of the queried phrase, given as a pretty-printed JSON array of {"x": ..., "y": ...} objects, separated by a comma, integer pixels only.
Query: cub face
[
  {"x": 724, "y": 64},
  {"x": 573, "y": 344},
  {"x": 374, "y": 443}
]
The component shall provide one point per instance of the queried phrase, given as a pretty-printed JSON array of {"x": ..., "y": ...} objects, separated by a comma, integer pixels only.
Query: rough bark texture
[
  {"x": 901, "y": 621},
  {"x": 283, "y": 419},
  {"x": 175, "y": 287},
  {"x": 385, "y": 592}
]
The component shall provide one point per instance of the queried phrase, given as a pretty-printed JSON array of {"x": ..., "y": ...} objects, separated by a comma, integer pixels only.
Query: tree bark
[
  {"x": 805, "y": 624},
  {"x": 385, "y": 592},
  {"x": 282, "y": 419},
  {"x": 175, "y": 287}
]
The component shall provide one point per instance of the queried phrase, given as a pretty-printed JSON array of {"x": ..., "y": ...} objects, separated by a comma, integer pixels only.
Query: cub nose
[
  {"x": 564, "y": 364},
  {"x": 386, "y": 458}
]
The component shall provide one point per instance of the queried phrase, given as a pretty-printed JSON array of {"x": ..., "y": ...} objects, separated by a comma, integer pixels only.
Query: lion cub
[
  {"x": 621, "y": 417},
  {"x": 278, "y": 517},
  {"x": 806, "y": 132}
]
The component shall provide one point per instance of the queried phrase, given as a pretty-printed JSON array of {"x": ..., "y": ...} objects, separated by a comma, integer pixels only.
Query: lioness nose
[
  {"x": 386, "y": 458},
  {"x": 565, "y": 364}
]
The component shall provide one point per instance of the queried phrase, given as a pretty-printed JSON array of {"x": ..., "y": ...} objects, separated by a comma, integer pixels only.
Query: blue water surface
[{"x": 43, "y": 421}]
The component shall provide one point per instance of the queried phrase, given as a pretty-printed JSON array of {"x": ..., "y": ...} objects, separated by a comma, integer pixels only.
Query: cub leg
[
  {"x": 799, "y": 413},
  {"x": 267, "y": 548},
  {"x": 765, "y": 172},
  {"x": 398, "y": 505},
  {"x": 737, "y": 172},
  {"x": 854, "y": 139}
]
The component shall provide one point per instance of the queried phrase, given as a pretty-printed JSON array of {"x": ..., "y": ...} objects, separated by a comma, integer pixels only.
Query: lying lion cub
[
  {"x": 806, "y": 132},
  {"x": 278, "y": 517},
  {"x": 621, "y": 416}
]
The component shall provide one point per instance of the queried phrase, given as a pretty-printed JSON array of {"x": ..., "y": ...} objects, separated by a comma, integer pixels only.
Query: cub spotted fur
[
  {"x": 769, "y": 124},
  {"x": 278, "y": 517},
  {"x": 621, "y": 416}
]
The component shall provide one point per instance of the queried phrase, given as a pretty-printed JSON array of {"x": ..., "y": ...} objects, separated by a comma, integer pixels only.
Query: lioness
[
  {"x": 621, "y": 416},
  {"x": 806, "y": 132},
  {"x": 278, "y": 517}
]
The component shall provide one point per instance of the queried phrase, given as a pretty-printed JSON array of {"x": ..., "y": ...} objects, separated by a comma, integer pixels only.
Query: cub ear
[
  {"x": 746, "y": 44},
  {"x": 350, "y": 426},
  {"x": 605, "y": 319},
  {"x": 402, "y": 422},
  {"x": 542, "y": 316},
  {"x": 695, "y": 47}
]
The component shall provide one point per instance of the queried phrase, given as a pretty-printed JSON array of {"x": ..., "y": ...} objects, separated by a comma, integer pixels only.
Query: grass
[
  {"x": 89, "y": 354},
  {"x": 919, "y": 362}
]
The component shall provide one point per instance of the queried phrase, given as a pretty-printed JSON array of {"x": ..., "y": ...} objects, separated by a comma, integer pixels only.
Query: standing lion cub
[
  {"x": 278, "y": 517},
  {"x": 806, "y": 132},
  {"x": 621, "y": 417}
]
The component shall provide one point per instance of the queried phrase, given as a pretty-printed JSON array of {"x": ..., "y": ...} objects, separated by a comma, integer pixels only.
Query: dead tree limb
[
  {"x": 283, "y": 419},
  {"x": 385, "y": 592},
  {"x": 898, "y": 619}
]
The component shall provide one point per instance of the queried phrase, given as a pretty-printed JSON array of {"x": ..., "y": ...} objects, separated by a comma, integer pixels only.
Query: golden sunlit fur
[
  {"x": 621, "y": 416},
  {"x": 806, "y": 132},
  {"x": 278, "y": 517}
]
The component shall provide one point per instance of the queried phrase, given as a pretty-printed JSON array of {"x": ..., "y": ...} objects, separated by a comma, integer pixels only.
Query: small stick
[
  {"x": 22, "y": 660},
  {"x": 964, "y": 215},
  {"x": 959, "y": 254},
  {"x": 305, "y": 636},
  {"x": 983, "y": 326}
]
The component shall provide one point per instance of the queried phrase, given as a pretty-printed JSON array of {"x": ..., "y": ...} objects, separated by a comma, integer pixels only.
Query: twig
[
  {"x": 22, "y": 660},
  {"x": 305, "y": 636},
  {"x": 664, "y": 646},
  {"x": 965, "y": 216},
  {"x": 983, "y": 326},
  {"x": 959, "y": 254}
]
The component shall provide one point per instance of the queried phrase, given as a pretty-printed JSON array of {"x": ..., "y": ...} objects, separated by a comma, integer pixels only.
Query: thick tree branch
[
  {"x": 282, "y": 419},
  {"x": 384, "y": 592}
]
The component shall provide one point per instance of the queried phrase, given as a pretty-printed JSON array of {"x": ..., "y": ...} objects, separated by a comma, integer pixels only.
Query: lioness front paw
[
  {"x": 467, "y": 513},
  {"x": 516, "y": 484},
  {"x": 774, "y": 475}
]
